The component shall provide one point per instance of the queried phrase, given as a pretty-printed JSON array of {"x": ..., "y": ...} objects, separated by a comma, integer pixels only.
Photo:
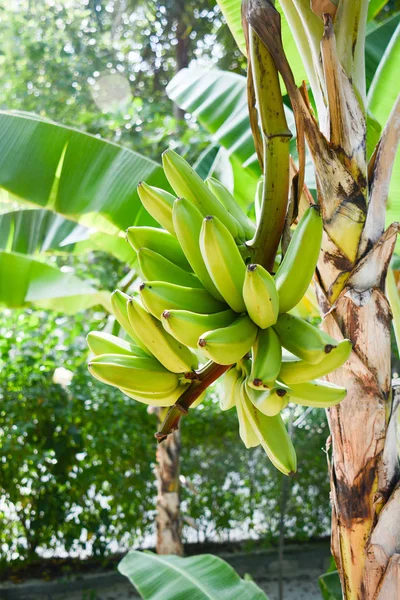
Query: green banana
[
  {"x": 142, "y": 374},
  {"x": 174, "y": 356},
  {"x": 228, "y": 345},
  {"x": 247, "y": 432},
  {"x": 187, "y": 326},
  {"x": 187, "y": 223},
  {"x": 267, "y": 358},
  {"x": 299, "y": 371},
  {"x": 223, "y": 261},
  {"x": 119, "y": 307},
  {"x": 320, "y": 394},
  {"x": 155, "y": 267},
  {"x": 159, "y": 241},
  {"x": 187, "y": 184},
  {"x": 303, "y": 339},
  {"x": 158, "y": 296},
  {"x": 269, "y": 402},
  {"x": 157, "y": 399},
  {"x": 297, "y": 268},
  {"x": 228, "y": 395},
  {"x": 273, "y": 437},
  {"x": 225, "y": 197},
  {"x": 101, "y": 342},
  {"x": 260, "y": 296},
  {"x": 158, "y": 204}
]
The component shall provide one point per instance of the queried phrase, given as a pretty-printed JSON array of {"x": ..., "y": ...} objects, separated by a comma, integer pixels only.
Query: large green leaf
[
  {"x": 203, "y": 577},
  {"x": 231, "y": 10},
  {"x": 25, "y": 281},
  {"x": 82, "y": 177},
  {"x": 381, "y": 98},
  {"x": 39, "y": 231},
  {"x": 31, "y": 231}
]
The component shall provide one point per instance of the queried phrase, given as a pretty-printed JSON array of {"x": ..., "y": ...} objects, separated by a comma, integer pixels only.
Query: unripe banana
[
  {"x": 159, "y": 241},
  {"x": 228, "y": 395},
  {"x": 157, "y": 399},
  {"x": 297, "y": 268},
  {"x": 142, "y": 374},
  {"x": 155, "y": 267},
  {"x": 299, "y": 371},
  {"x": 158, "y": 296},
  {"x": 223, "y": 261},
  {"x": 187, "y": 326},
  {"x": 320, "y": 394},
  {"x": 303, "y": 339},
  {"x": 228, "y": 345},
  {"x": 267, "y": 358},
  {"x": 273, "y": 437},
  {"x": 101, "y": 342},
  {"x": 187, "y": 223},
  {"x": 226, "y": 198},
  {"x": 260, "y": 296},
  {"x": 270, "y": 401},
  {"x": 119, "y": 307},
  {"x": 247, "y": 433},
  {"x": 158, "y": 204},
  {"x": 174, "y": 356},
  {"x": 187, "y": 184}
]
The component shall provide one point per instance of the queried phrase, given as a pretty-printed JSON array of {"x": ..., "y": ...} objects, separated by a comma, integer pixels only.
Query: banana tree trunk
[
  {"x": 364, "y": 473},
  {"x": 168, "y": 519},
  {"x": 351, "y": 276}
]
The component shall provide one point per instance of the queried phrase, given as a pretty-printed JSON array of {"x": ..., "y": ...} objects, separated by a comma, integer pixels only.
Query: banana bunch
[{"x": 199, "y": 300}]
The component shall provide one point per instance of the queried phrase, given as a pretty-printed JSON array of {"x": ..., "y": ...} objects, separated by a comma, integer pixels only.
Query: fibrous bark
[{"x": 351, "y": 276}]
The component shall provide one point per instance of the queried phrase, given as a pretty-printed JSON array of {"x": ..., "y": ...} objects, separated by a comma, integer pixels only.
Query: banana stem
[
  {"x": 204, "y": 377},
  {"x": 276, "y": 138}
]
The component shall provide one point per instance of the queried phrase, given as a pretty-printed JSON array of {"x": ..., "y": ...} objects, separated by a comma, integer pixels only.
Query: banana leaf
[
  {"x": 204, "y": 577},
  {"x": 381, "y": 98},
  {"x": 39, "y": 231},
  {"x": 330, "y": 587},
  {"x": 81, "y": 177},
  {"x": 25, "y": 281}
]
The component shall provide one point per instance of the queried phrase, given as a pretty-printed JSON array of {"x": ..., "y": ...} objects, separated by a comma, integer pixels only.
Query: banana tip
[
  {"x": 142, "y": 286},
  {"x": 328, "y": 348},
  {"x": 251, "y": 267},
  {"x": 257, "y": 382},
  {"x": 202, "y": 342},
  {"x": 281, "y": 392},
  {"x": 166, "y": 314},
  {"x": 208, "y": 218}
]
